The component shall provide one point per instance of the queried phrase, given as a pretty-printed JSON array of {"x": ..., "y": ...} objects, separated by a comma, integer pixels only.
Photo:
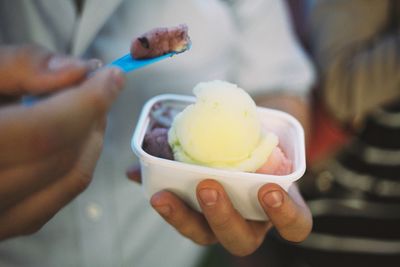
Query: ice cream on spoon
[
  {"x": 153, "y": 46},
  {"x": 161, "y": 41}
]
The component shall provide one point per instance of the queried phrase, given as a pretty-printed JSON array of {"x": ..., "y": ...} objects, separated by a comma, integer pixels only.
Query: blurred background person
[
  {"x": 356, "y": 203},
  {"x": 353, "y": 189},
  {"x": 247, "y": 42}
]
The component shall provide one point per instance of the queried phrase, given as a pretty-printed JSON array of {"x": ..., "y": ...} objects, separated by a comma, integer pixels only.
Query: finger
[
  {"x": 232, "y": 230},
  {"x": 101, "y": 124},
  {"x": 30, "y": 215},
  {"x": 60, "y": 72},
  {"x": 7, "y": 100},
  {"x": 26, "y": 178},
  {"x": 289, "y": 214},
  {"x": 133, "y": 173},
  {"x": 57, "y": 122},
  {"x": 31, "y": 69},
  {"x": 185, "y": 220}
]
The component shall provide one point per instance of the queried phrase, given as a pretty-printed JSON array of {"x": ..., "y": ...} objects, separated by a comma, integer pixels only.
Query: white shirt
[{"x": 248, "y": 42}]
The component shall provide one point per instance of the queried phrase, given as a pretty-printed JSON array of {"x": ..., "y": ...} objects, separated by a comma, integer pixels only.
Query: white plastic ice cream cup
[{"x": 242, "y": 187}]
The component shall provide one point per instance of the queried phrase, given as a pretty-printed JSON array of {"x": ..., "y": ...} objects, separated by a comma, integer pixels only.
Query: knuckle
[
  {"x": 193, "y": 231},
  {"x": 205, "y": 240},
  {"x": 81, "y": 182},
  {"x": 97, "y": 101},
  {"x": 221, "y": 222},
  {"x": 184, "y": 228},
  {"x": 32, "y": 228},
  {"x": 247, "y": 248},
  {"x": 243, "y": 252},
  {"x": 65, "y": 163}
]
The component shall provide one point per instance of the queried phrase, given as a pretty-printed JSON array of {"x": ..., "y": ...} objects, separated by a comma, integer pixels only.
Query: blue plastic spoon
[{"x": 127, "y": 63}]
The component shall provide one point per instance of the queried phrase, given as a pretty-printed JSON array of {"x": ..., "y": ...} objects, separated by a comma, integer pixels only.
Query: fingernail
[
  {"x": 57, "y": 63},
  {"x": 273, "y": 199},
  {"x": 209, "y": 197},
  {"x": 164, "y": 210},
  {"x": 118, "y": 77}
]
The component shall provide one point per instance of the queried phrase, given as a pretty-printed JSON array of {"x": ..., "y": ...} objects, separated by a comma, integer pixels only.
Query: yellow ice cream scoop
[{"x": 222, "y": 129}]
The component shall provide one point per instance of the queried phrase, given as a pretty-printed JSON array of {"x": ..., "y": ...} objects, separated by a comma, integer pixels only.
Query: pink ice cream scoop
[{"x": 277, "y": 164}]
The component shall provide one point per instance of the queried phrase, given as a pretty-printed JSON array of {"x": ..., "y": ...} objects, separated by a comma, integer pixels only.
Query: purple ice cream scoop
[{"x": 156, "y": 143}]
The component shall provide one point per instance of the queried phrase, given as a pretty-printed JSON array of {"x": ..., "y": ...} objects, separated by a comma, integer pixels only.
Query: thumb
[
  {"x": 133, "y": 173},
  {"x": 59, "y": 121},
  {"x": 288, "y": 213}
]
